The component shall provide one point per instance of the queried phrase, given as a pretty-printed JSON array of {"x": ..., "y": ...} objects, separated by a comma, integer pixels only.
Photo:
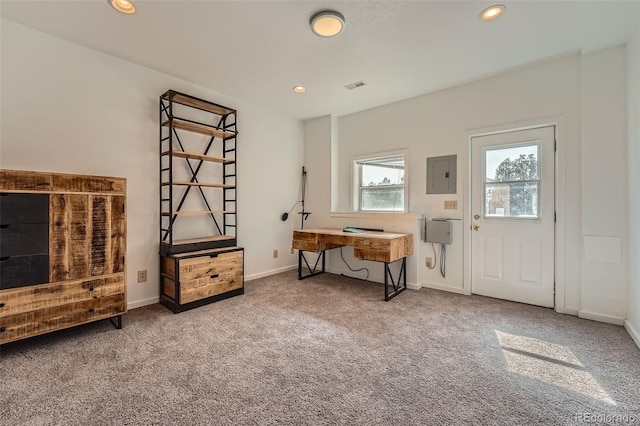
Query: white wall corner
[{"x": 635, "y": 335}]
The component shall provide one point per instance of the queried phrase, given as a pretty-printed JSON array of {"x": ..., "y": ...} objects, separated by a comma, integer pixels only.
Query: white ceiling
[{"x": 258, "y": 50}]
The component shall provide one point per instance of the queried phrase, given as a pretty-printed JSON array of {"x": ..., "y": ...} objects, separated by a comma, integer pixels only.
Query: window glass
[{"x": 380, "y": 183}]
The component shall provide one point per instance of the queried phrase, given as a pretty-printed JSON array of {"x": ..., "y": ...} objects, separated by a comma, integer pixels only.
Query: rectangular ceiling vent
[{"x": 354, "y": 85}]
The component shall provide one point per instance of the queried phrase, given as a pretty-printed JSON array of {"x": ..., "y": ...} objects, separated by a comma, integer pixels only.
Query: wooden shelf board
[
  {"x": 207, "y": 185},
  {"x": 204, "y": 240},
  {"x": 195, "y": 156},
  {"x": 199, "y": 128},
  {"x": 196, "y": 212},
  {"x": 197, "y": 103}
]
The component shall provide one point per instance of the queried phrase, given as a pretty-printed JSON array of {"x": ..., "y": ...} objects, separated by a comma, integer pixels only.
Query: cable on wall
[
  {"x": 435, "y": 256},
  {"x": 285, "y": 216},
  {"x": 443, "y": 261}
]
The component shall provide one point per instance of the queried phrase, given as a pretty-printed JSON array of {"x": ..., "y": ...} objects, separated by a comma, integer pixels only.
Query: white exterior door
[{"x": 512, "y": 209}]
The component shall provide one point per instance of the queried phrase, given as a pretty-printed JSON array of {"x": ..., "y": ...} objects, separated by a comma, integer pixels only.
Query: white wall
[
  {"x": 66, "y": 108},
  {"x": 318, "y": 137},
  {"x": 321, "y": 149},
  {"x": 440, "y": 123},
  {"x": 604, "y": 185},
  {"x": 559, "y": 92},
  {"x": 633, "y": 77}
]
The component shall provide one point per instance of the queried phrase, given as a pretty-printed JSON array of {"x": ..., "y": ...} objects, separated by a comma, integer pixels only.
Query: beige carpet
[{"x": 327, "y": 350}]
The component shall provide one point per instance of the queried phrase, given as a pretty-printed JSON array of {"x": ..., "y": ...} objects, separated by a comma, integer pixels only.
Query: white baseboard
[
  {"x": 412, "y": 286},
  {"x": 436, "y": 286},
  {"x": 268, "y": 273},
  {"x": 567, "y": 311},
  {"x": 143, "y": 302},
  {"x": 632, "y": 332},
  {"x": 600, "y": 317}
]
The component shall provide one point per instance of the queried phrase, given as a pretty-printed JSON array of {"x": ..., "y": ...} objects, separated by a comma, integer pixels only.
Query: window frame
[{"x": 356, "y": 179}]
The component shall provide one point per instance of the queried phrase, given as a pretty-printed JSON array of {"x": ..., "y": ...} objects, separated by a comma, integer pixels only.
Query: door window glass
[{"x": 512, "y": 181}]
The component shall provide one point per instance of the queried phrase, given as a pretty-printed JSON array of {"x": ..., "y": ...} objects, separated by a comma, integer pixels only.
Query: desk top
[{"x": 368, "y": 245}]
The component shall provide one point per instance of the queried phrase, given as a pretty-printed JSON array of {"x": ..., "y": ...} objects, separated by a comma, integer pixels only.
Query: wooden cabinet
[
  {"x": 197, "y": 278},
  {"x": 62, "y": 255},
  {"x": 199, "y": 260}
]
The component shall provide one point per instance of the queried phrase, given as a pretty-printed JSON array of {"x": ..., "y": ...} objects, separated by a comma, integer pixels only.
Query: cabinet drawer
[
  {"x": 44, "y": 296},
  {"x": 14, "y": 327},
  {"x": 24, "y": 208},
  {"x": 207, "y": 266},
  {"x": 18, "y": 240},
  {"x": 211, "y": 286},
  {"x": 20, "y": 271}
]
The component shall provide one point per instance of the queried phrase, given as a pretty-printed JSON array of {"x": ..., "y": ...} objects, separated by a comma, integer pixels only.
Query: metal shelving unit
[{"x": 181, "y": 117}]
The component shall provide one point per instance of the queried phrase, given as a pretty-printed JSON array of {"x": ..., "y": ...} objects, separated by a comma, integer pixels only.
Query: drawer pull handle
[
  {"x": 59, "y": 223},
  {"x": 214, "y": 276},
  {"x": 213, "y": 255},
  {"x": 2, "y": 329},
  {"x": 4, "y": 259},
  {"x": 1, "y": 305},
  {"x": 4, "y": 226},
  {"x": 91, "y": 309},
  {"x": 90, "y": 288}
]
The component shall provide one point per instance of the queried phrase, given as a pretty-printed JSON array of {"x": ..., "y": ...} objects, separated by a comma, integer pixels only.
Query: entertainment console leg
[{"x": 116, "y": 321}]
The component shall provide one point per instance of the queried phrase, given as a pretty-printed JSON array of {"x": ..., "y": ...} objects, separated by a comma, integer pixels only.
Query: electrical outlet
[
  {"x": 428, "y": 261},
  {"x": 275, "y": 253},
  {"x": 142, "y": 276},
  {"x": 451, "y": 205}
]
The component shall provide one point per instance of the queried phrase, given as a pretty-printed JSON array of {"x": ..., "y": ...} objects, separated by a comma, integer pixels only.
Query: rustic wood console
[{"x": 62, "y": 251}]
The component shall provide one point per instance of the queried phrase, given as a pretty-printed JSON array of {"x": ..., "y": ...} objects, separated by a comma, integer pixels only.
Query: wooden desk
[{"x": 386, "y": 247}]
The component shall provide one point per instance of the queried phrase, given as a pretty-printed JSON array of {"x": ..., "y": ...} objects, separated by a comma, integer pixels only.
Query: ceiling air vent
[{"x": 354, "y": 85}]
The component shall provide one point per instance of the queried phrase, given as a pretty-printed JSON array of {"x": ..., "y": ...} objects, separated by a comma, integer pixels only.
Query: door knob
[
  {"x": 476, "y": 217},
  {"x": 476, "y": 228}
]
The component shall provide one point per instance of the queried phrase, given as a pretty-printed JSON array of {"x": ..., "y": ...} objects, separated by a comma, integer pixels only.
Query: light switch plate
[{"x": 451, "y": 205}]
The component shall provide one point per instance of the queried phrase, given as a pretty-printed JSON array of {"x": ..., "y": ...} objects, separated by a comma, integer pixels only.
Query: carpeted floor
[{"x": 327, "y": 350}]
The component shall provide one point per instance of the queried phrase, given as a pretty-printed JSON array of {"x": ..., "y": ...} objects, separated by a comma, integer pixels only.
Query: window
[
  {"x": 512, "y": 180},
  {"x": 379, "y": 183}
]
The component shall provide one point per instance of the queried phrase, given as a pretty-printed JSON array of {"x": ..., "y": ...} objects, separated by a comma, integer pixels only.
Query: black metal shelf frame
[{"x": 170, "y": 142}]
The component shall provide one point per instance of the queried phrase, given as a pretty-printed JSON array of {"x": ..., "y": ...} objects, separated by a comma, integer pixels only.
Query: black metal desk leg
[
  {"x": 312, "y": 271},
  {"x": 397, "y": 288}
]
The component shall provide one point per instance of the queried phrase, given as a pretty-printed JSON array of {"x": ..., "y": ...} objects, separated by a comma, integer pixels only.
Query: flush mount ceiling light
[
  {"x": 123, "y": 6},
  {"x": 299, "y": 89},
  {"x": 492, "y": 12},
  {"x": 327, "y": 23}
]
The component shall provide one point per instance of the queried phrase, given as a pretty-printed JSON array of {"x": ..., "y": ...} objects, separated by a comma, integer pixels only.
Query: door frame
[{"x": 560, "y": 207}]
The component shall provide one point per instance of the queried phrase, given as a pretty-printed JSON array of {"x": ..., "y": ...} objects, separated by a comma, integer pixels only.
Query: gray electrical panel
[
  {"x": 441, "y": 174},
  {"x": 438, "y": 231}
]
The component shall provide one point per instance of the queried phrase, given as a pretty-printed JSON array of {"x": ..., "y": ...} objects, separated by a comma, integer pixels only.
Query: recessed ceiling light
[
  {"x": 492, "y": 12},
  {"x": 327, "y": 23},
  {"x": 123, "y": 6},
  {"x": 299, "y": 89}
]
